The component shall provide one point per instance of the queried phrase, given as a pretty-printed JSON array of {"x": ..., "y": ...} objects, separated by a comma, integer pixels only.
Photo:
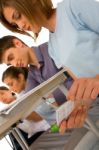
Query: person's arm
[
  {"x": 34, "y": 116},
  {"x": 50, "y": 100},
  {"x": 75, "y": 120},
  {"x": 85, "y": 12},
  {"x": 84, "y": 89},
  {"x": 30, "y": 83}
]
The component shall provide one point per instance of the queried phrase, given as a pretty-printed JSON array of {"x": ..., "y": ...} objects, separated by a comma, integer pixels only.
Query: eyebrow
[{"x": 13, "y": 16}]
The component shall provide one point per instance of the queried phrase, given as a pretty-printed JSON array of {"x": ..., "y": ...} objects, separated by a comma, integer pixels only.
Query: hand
[
  {"x": 84, "y": 89},
  {"x": 75, "y": 120}
]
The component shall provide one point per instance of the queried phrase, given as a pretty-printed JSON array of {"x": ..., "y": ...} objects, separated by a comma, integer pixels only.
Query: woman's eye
[
  {"x": 17, "y": 15},
  {"x": 14, "y": 25},
  {"x": 10, "y": 57},
  {"x": 10, "y": 84}
]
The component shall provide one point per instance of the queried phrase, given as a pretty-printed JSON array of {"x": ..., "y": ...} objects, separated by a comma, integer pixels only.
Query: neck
[
  {"x": 33, "y": 58},
  {"x": 51, "y": 23}
]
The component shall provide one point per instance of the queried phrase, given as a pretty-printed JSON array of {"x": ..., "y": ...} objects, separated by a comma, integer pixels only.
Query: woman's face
[
  {"x": 14, "y": 17},
  {"x": 16, "y": 85},
  {"x": 6, "y": 96}
]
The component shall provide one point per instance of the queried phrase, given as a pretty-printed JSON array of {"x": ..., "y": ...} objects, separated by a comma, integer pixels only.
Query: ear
[
  {"x": 21, "y": 77},
  {"x": 18, "y": 43}
]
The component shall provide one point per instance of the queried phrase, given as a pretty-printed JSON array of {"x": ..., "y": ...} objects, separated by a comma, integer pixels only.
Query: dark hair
[
  {"x": 7, "y": 89},
  {"x": 4, "y": 88},
  {"x": 36, "y": 11},
  {"x": 6, "y": 42},
  {"x": 14, "y": 72}
]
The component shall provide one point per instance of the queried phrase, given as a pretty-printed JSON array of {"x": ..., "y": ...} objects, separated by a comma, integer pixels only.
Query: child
[{"x": 6, "y": 95}]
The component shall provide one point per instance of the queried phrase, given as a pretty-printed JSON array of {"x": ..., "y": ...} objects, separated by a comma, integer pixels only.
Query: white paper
[
  {"x": 64, "y": 111},
  {"x": 5, "y": 108},
  {"x": 32, "y": 127}
]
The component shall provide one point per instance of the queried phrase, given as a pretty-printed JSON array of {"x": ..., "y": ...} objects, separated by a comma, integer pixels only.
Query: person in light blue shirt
[{"x": 75, "y": 41}]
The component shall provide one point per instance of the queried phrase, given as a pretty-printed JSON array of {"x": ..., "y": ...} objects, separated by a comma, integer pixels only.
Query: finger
[
  {"x": 88, "y": 91},
  {"x": 81, "y": 89},
  {"x": 71, "y": 119},
  {"x": 80, "y": 118},
  {"x": 73, "y": 90},
  {"x": 17, "y": 63},
  {"x": 84, "y": 115},
  {"x": 95, "y": 93},
  {"x": 62, "y": 127}
]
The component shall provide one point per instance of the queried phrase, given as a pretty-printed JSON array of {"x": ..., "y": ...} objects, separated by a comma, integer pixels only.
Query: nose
[
  {"x": 11, "y": 87},
  {"x": 21, "y": 25},
  {"x": 14, "y": 89}
]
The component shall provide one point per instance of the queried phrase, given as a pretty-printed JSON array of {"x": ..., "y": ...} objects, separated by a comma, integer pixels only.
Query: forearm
[
  {"x": 97, "y": 76},
  {"x": 34, "y": 116}
]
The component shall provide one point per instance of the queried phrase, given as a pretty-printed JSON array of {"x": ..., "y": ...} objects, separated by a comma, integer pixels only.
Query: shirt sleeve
[
  {"x": 84, "y": 14},
  {"x": 31, "y": 83}
]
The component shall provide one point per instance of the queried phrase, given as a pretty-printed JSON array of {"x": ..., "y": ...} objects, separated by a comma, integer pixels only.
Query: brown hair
[
  {"x": 14, "y": 72},
  {"x": 36, "y": 11},
  {"x": 6, "y": 42},
  {"x": 4, "y": 88}
]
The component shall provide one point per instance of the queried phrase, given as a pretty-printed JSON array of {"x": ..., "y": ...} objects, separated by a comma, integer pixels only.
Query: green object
[{"x": 54, "y": 128}]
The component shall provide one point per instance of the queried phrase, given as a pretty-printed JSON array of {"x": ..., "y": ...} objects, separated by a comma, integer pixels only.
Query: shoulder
[
  {"x": 83, "y": 5},
  {"x": 44, "y": 46},
  {"x": 44, "y": 49},
  {"x": 79, "y": 4},
  {"x": 31, "y": 73}
]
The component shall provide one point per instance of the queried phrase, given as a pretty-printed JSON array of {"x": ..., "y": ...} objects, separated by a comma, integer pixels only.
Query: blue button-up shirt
[
  {"x": 75, "y": 42},
  {"x": 37, "y": 76},
  {"x": 47, "y": 70}
]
